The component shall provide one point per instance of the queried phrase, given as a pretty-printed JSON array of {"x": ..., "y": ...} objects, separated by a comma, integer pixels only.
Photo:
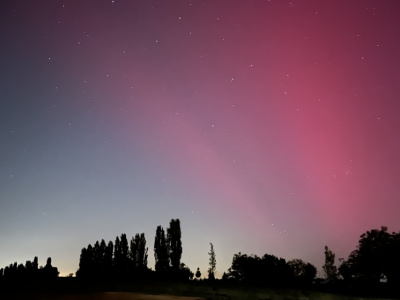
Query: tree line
[
  {"x": 123, "y": 260},
  {"x": 126, "y": 260},
  {"x": 29, "y": 272},
  {"x": 269, "y": 270},
  {"x": 114, "y": 260},
  {"x": 376, "y": 259}
]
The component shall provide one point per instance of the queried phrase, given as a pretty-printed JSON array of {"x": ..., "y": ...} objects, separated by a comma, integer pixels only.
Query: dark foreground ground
[
  {"x": 97, "y": 296},
  {"x": 71, "y": 289}
]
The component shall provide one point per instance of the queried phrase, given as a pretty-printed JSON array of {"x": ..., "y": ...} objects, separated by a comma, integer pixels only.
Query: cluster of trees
[
  {"x": 168, "y": 252},
  {"x": 269, "y": 270},
  {"x": 123, "y": 260},
  {"x": 114, "y": 260},
  {"x": 376, "y": 258},
  {"x": 30, "y": 271}
]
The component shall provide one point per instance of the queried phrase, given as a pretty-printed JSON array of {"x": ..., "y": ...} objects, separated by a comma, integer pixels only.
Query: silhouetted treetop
[
  {"x": 329, "y": 266},
  {"x": 161, "y": 253},
  {"x": 107, "y": 261},
  {"x": 174, "y": 243},
  {"x": 267, "y": 270},
  {"x": 303, "y": 272},
  {"x": 30, "y": 271},
  {"x": 377, "y": 257},
  {"x": 212, "y": 263}
]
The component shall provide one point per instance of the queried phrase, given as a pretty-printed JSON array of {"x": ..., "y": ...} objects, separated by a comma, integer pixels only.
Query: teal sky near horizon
[{"x": 264, "y": 126}]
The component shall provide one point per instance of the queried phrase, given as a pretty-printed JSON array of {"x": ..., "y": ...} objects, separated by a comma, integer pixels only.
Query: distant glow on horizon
[{"x": 265, "y": 127}]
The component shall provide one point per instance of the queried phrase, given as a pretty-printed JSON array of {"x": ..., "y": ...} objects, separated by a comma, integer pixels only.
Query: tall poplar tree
[
  {"x": 161, "y": 251},
  {"x": 141, "y": 257},
  {"x": 174, "y": 243},
  {"x": 212, "y": 263},
  {"x": 124, "y": 255},
  {"x": 329, "y": 266},
  {"x": 138, "y": 252},
  {"x": 108, "y": 259},
  {"x": 117, "y": 256}
]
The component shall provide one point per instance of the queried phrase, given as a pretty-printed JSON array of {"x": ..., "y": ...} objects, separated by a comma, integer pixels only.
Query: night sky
[{"x": 264, "y": 126}]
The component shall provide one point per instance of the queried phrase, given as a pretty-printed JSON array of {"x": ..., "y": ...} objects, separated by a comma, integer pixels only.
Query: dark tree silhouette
[
  {"x": 123, "y": 266},
  {"x": 108, "y": 260},
  {"x": 225, "y": 276},
  {"x": 198, "y": 273},
  {"x": 392, "y": 264},
  {"x": 268, "y": 270},
  {"x": 121, "y": 257},
  {"x": 49, "y": 271},
  {"x": 97, "y": 259},
  {"x": 174, "y": 244},
  {"x": 133, "y": 252},
  {"x": 92, "y": 261},
  {"x": 242, "y": 267},
  {"x": 329, "y": 267},
  {"x": 29, "y": 272},
  {"x": 35, "y": 265},
  {"x": 371, "y": 256},
  {"x": 10, "y": 272},
  {"x": 310, "y": 272},
  {"x": 21, "y": 274},
  {"x": 84, "y": 263},
  {"x": 161, "y": 254},
  {"x": 117, "y": 257},
  {"x": 377, "y": 256},
  {"x": 101, "y": 257},
  {"x": 345, "y": 269},
  {"x": 138, "y": 254},
  {"x": 141, "y": 252},
  {"x": 185, "y": 273},
  {"x": 212, "y": 263},
  {"x": 304, "y": 273}
]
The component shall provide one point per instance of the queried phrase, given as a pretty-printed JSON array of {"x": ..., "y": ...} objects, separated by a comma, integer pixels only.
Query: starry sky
[{"x": 265, "y": 126}]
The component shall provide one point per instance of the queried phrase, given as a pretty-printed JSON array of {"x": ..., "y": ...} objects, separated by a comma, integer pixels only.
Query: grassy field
[
  {"x": 95, "y": 296},
  {"x": 207, "y": 295},
  {"x": 173, "y": 291}
]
